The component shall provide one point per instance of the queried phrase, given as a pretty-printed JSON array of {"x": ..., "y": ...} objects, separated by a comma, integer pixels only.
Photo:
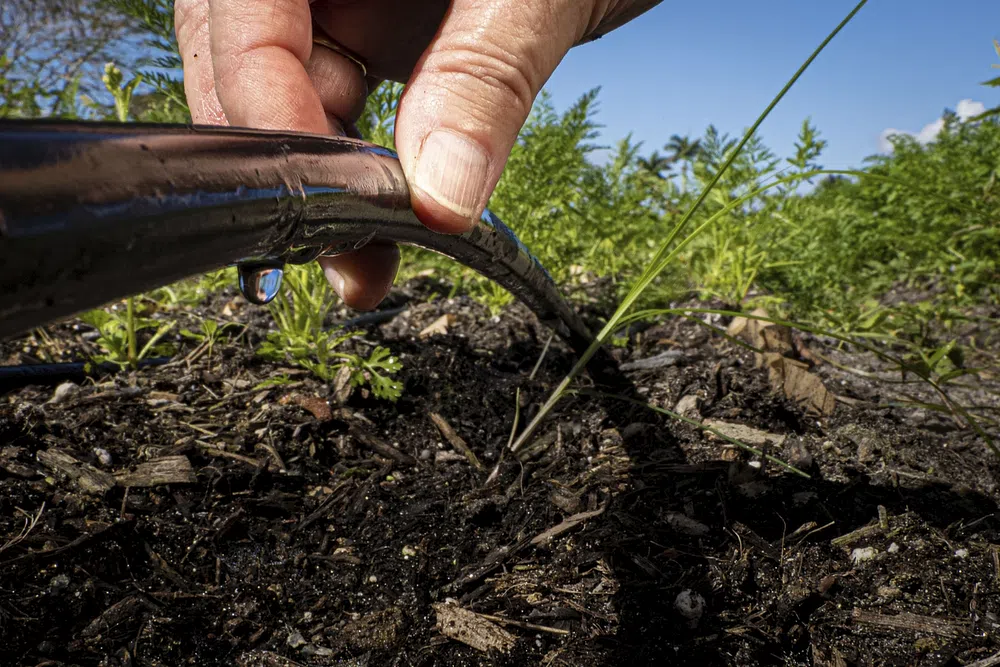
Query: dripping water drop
[{"x": 260, "y": 283}]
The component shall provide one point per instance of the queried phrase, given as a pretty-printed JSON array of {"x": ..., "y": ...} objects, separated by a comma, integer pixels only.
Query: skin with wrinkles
[{"x": 473, "y": 69}]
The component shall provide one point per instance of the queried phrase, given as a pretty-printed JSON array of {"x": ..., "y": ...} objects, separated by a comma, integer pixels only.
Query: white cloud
[{"x": 965, "y": 109}]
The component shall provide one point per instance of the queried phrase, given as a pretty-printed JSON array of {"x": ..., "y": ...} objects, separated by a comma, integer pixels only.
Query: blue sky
[{"x": 685, "y": 65}]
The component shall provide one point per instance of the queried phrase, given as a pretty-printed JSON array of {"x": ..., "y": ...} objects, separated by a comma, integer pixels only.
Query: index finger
[{"x": 259, "y": 51}]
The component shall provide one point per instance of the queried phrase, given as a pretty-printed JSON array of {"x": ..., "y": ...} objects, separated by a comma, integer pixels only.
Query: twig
[
  {"x": 566, "y": 525},
  {"x": 909, "y": 622},
  {"x": 379, "y": 446},
  {"x": 221, "y": 453},
  {"x": 455, "y": 440},
  {"x": 278, "y": 461},
  {"x": 523, "y": 625}
]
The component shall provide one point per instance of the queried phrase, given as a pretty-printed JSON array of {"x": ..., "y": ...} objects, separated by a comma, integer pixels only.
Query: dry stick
[
  {"x": 909, "y": 622},
  {"x": 211, "y": 450},
  {"x": 521, "y": 624},
  {"x": 455, "y": 440},
  {"x": 380, "y": 447},
  {"x": 661, "y": 254}
]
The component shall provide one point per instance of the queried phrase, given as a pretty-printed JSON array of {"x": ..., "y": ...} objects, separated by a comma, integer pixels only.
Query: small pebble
[
  {"x": 47, "y": 648},
  {"x": 103, "y": 455},
  {"x": 861, "y": 554},
  {"x": 893, "y": 548},
  {"x": 691, "y": 605},
  {"x": 889, "y": 592},
  {"x": 59, "y": 582},
  {"x": 962, "y": 553},
  {"x": 64, "y": 392},
  {"x": 688, "y": 406},
  {"x": 295, "y": 639}
]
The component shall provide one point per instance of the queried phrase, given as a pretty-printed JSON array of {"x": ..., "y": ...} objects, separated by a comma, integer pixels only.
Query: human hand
[{"x": 473, "y": 69}]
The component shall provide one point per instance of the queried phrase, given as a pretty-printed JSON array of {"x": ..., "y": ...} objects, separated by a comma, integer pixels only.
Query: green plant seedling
[
  {"x": 210, "y": 332},
  {"x": 303, "y": 338},
  {"x": 117, "y": 336}
]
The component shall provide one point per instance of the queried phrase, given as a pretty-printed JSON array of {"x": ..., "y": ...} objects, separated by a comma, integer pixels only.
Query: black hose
[{"x": 93, "y": 212}]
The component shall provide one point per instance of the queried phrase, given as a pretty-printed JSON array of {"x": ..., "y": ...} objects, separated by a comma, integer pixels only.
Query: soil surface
[{"x": 186, "y": 515}]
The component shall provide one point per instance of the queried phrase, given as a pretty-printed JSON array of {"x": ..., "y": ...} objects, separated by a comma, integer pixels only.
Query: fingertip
[{"x": 364, "y": 277}]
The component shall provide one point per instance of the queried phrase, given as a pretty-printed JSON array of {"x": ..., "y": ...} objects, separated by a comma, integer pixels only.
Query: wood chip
[
  {"x": 567, "y": 524},
  {"x": 379, "y": 446},
  {"x": 662, "y": 360},
  {"x": 9, "y": 464},
  {"x": 166, "y": 569},
  {"x": 318, "y": 407},
  {"x": 164, "y": 470},
  {"x": 471, "y": 629},
  {"x": 765, "y": 336},
  {"x": 775, "y": 346},
  {"x": 124, "y": 613},
  {"x": 908, "y": 622},
  {"x": 862, "y": 533},
  {"x": 438, "y": 327},
  {"x": 342, "y": 387},
  {"x": 88, "y": 478},
  {"x": 827, "y": 656},
  {"x": 455, "y": 440},
  {"x": 217, "y": 451},
  {"x": 794, "y": 380},
  {"x": 745, "y": 434},
  {"x": 163, "y": 396},
  {"x": 686, "y": 525}
]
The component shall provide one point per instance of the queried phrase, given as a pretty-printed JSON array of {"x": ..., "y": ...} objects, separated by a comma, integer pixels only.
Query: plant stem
[{"x": 133, "y": 357}]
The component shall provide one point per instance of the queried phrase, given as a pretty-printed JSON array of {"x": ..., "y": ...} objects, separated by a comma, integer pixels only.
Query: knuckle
[
  {"x": 511, "y": 81},
  {"x": 190, "y": 16}
]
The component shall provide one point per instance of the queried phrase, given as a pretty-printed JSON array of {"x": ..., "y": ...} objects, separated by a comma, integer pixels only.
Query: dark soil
[{"x": 290, "y": 525}]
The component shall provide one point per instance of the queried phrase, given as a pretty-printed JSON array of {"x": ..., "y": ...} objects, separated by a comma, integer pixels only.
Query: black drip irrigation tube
[{"x": 93, "y": 212}]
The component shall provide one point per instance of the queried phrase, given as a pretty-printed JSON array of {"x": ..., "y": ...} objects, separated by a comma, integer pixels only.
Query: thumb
[{"x": 469, "y": 95}]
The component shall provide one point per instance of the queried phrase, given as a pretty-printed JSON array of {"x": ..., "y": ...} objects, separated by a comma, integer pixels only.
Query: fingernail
[
  {"x": 335, "y": 279},
  {"x": 453, "y": 171}
]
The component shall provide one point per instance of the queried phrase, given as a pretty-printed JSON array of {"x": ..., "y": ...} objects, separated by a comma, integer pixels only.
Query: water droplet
[{"x": 260, "y": 283}]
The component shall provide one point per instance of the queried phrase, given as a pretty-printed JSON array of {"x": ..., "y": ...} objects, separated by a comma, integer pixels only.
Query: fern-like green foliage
[
  {"x": 378, "y": 121},
  {"x": 304, "y": 338},
  {"x": 158, "y": 62},
  {"x": 926, "y": 218}
]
